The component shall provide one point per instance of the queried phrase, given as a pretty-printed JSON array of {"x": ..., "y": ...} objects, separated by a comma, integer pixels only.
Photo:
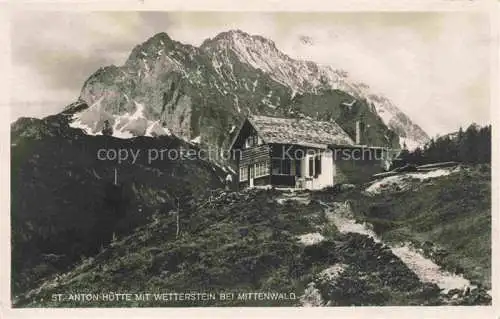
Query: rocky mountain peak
[
  {"x": 205, "y": 91},
  {"x": 156, "y": 46},
  {"x": 236, "y": 37}
]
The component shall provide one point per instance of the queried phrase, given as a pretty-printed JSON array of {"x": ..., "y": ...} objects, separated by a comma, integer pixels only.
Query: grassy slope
[
  {"x": 248, "y": 242},
  {"x": 241, "y": 242},
  {"x": 220, "y": 246},
  {"x": 448, "y": 217}
]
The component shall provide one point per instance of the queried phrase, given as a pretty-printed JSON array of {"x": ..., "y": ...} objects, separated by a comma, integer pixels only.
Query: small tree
[
  {"x": 180, "y": 195},
  {"x": 177, "y": 218}
]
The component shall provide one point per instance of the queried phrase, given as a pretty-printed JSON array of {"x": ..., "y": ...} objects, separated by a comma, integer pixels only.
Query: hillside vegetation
[
  {"x": 241, "y": 243},
  {"x": 251, "y": 242},
  {"x": 449, "y": 218},
  {"x": 472, "y": 146},
  {"x": 65, "y": 203}
]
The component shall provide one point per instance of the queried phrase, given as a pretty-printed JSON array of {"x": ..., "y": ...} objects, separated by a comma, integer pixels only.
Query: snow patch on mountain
[
  {"x": 93, "y": 120},
  {"x": 196, "y": 140},
  {"x": 410, "y": 144},
  {"x": 155, "y": 129}
]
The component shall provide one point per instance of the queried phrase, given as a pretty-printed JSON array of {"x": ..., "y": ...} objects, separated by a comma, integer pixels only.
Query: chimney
[{"x": 358, "y": 133}]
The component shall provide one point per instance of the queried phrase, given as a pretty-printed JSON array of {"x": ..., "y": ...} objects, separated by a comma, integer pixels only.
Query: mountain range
[{"x": 203, "y": 93}]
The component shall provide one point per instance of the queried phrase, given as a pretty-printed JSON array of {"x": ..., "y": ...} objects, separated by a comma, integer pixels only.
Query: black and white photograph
[{"x": 166, "y": 159}]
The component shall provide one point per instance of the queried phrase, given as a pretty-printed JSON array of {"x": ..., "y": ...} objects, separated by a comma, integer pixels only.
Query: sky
[{"x": 433, "y": 66}]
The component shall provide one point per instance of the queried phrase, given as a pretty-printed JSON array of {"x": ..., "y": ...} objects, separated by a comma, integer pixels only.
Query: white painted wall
[{"x": 327, "y": 171}]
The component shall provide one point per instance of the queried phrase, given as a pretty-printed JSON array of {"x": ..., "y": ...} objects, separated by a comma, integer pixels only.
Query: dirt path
[{"x": 426, "y": 270}]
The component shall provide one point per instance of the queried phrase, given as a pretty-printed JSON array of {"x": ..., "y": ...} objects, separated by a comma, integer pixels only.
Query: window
[
  {"x": 276, "y": 167},
  {"x": 262, "y": 169},
  {"x": 243, "y": 173},
  {"x": 298, "y": 171},
  {"x": 311, "y": 166},
  {"x": 281, "y": 167},
  {"x": 252, "y": 140},
  {"x": 315, "y": 165}
]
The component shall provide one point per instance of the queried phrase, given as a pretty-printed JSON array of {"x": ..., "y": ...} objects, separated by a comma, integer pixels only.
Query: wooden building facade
[{"x": 301, "y": 153}]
